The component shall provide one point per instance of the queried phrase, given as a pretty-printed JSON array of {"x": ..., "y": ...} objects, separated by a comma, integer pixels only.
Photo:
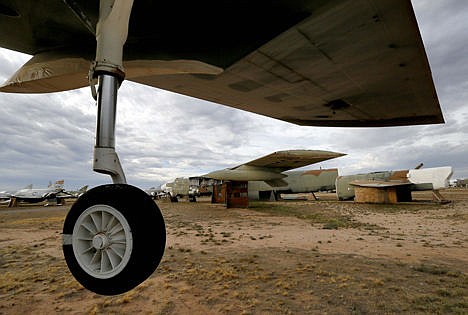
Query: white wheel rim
[{"x": 102, "y": 241}]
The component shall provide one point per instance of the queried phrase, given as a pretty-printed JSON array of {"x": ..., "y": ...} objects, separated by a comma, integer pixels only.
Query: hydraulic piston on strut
[
  {"x": 106, "y": 159},
  {"x": 111, "y": 34}
]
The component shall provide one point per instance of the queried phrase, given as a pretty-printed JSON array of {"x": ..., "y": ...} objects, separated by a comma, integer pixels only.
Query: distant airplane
[
  {"x": 33, "y": 195},
  {"x": 313, "y": 63},
  {"x": 268, "y": 173}
]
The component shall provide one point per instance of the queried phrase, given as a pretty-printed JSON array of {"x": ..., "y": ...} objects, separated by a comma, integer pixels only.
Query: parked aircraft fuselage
[{"x": 298, "y": 182}]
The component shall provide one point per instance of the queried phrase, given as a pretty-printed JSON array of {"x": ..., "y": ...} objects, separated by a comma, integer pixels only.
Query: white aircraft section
[{"x": 438, "y": 176}]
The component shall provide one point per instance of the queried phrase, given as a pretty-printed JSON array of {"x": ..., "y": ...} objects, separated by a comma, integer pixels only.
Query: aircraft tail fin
[{"x": 58, "y": 184}]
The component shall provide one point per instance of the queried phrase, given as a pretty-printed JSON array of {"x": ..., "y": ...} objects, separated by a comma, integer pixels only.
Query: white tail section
[{"x": 437, "y": 176}]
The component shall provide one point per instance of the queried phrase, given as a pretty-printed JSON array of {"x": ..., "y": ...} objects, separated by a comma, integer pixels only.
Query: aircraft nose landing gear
[
  {"x": 114, "y": 238},
  {"x": 114, "y": 235}
]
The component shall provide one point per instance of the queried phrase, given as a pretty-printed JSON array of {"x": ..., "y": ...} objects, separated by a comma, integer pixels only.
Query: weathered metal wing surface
[
  {"x": 291, "y": 159},
  {"x": 317, "y": 62}
]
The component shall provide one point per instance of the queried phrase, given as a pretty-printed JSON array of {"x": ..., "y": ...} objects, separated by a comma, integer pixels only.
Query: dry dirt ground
[{"x": 295, "y": 257}]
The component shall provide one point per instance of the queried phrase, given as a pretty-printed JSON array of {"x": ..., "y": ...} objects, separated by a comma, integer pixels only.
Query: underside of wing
[
  {"x": 291, "y": 159},
  {"x": 325, "y": 63}
]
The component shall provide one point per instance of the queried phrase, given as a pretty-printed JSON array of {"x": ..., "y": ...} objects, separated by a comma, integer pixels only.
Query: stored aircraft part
[
  {"x": 420, "y": 179},
  {"x": 114, "y": 238},
  {"x": 437, "y": 176},
  {"x": 327, "y": 63},
  {"x": 345, "y": 191},
  {"x": 381, "y": 192}
]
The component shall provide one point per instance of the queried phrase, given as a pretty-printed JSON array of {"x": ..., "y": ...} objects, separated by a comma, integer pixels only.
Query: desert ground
[{"x": 289, "y": 257}]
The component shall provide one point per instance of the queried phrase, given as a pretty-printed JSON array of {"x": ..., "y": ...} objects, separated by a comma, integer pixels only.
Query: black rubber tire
[{"x": 148, "y": 232}]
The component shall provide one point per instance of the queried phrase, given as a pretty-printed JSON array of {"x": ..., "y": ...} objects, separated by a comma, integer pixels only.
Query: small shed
[
  {"x": 234, "y": 194},
  {"x": 381, "y": 191},
  {"x": 237, "y": 194},
  {"x": 219, "y": 193}
]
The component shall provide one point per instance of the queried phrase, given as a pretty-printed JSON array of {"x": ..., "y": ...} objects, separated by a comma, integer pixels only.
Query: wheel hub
[{"x": 100, "y": 241}]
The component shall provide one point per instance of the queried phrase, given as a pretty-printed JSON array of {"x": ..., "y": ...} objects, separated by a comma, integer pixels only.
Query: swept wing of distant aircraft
[{"x": 316, "y": 62}]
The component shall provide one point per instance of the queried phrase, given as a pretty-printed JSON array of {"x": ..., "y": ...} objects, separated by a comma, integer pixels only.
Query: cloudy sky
[{"x": 161, "y": 135}]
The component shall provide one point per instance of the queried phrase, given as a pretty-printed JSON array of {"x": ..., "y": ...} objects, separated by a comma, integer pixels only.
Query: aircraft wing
[
  {"x": 316, "y": 62},
  {"x": 291, "y": 159}
]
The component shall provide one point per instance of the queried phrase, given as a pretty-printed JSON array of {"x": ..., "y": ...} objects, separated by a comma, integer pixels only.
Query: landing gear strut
[{"x": 114, "y": 235}]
